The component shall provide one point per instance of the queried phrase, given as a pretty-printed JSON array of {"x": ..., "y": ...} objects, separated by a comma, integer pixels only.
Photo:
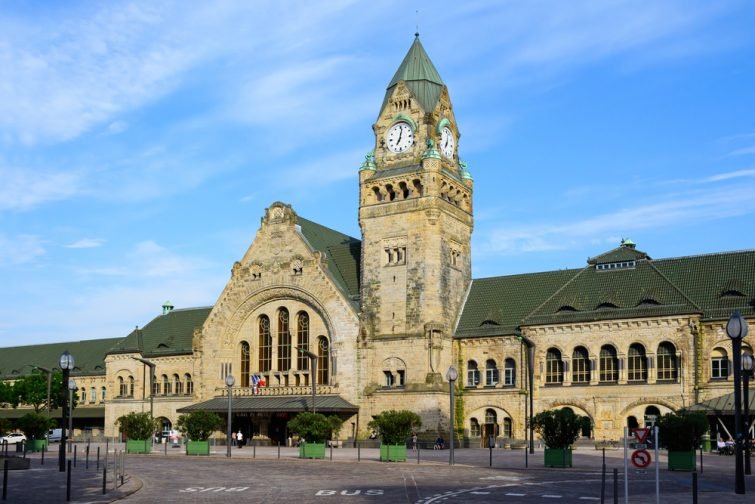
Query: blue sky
[{"x": 140, "y": 142}]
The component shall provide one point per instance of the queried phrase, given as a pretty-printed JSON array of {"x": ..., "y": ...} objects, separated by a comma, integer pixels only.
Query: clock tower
[{"x": 415, "y": 214}]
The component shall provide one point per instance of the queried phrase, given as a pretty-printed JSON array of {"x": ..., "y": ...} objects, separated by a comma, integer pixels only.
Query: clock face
[
  {"x": 400, "y": 137},
  {"x": 447, "y": 143}
]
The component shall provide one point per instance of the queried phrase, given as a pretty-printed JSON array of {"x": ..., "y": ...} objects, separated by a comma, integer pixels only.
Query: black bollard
[
  {"x": 701, "y": 459},
  {"x": 359, "y": 452},
  {"x": 604, "y": 456},
  {"x": 491, "y": 456},
  {"x": 279, "y": 449},
  {"x": 87, "y": 459},
  {"x": 104, "y": 481},
  {"x": 43, "y": 456},
  {"x": 615, "y": 486},
  {"x": 75, "y": 449},
  {"x": 68, "y": 483},
  {"x": 526, "y": 458},
  {"x": 98, "y": 458},
  {"x": 694, "y": 488},
  {"x": 166, "y": 449},
  {"x": 254, "y": 450},
  {"x": 331, "y": 451},
  {"x": 603, "y": 483},
  {"x": 5, "y": 479}
]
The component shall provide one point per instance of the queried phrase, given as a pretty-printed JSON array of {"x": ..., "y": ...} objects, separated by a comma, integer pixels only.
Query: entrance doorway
[
  {"x": 489, "y": 429},
  {"x": 278, "y": 429}
]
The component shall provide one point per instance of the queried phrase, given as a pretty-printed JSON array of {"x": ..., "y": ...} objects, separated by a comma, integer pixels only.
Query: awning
[
  {"x": 723, "y": 405},
  {"x": 272, "y": 404}
]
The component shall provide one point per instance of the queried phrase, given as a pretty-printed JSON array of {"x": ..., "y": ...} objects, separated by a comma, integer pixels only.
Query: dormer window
[
  {"x": 606, "y": 306},
  {"x": 616, "y": 265},
  {"x": 566, "y": 308}
]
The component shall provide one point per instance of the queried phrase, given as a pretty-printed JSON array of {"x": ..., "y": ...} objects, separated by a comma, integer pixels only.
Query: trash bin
[
  {"x": 19, "y": 447},
  {"x": 706, "y": 442}
]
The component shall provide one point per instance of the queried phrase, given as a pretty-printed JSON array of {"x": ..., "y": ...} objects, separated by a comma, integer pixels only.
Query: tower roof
[{"x": 420, "y": 76}]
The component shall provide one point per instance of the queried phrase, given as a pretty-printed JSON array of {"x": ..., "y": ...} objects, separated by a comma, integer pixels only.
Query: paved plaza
[{"x": 268, "y": 474}]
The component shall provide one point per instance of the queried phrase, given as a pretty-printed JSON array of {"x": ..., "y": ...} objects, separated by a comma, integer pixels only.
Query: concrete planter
[
  {"x": 681, "y": 460},
  {"x": 138, "y": 446},
  {"x": 392, "y": 453},
  {"x": 198, "y": 447},
  {"x": 557, "y": 457}
]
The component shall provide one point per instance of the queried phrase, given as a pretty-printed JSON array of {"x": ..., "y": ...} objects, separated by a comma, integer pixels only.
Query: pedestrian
[
  {"x": 414, "y": 441},
  {"x": 239, "y": 439}
]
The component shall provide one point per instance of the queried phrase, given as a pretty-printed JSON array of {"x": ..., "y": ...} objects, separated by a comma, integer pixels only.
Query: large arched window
[
  {"x": 103, "y": 394},
  {"x": 245, "y": 363},
  {"x": 580, "y": 365},
  {"x": 93, "y": 396},
  {"x": 491, "y": 373},
  {"x": 638, "y": 364},
  {"x": 323, "y": 360},
  {"x": 302, "y": 339},
  {"x": 265, "y": 345},
  {"x": 473, "y": 374},
  {"x": 178, "y": 386},
  {"x": 122, "y": 387},
  {"x": 509, "y": 373},
  {"x": 609, "y": 364},
  {"x": 189, "y": 389},
  {"x": 554, "y": 367},
  {"x": 474, "y": 428},
  {"x": 667, "y": 365},
  {"x": 166, "y": 385},
  {"x": 131, "y": 386},
  {"x": 284, "y": 341},
  {"x": 719, "y": 364}
]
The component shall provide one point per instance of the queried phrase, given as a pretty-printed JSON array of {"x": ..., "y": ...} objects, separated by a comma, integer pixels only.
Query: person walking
[
  {"x": 414, "y": 441},
  {"x": 239, "y": 439}
]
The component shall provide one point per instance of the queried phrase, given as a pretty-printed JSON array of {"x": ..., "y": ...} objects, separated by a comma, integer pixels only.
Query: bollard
[
  {"x": 701, "y": 460},
  {"x": 418, "y": 450},
  {"x": 491, "y": 457},
  {"x": 5, "y": 479},
  {"x": 526, "y": 458},
  {"x": 331, "y": 451},
  {"x": 254, "y": 450},
  {"x": 603, "y": 483},
  {"x": 279, "y": 450},
  {"x": 115, "y": 469},
  {"x": 694, "y": 488},
  {"x": 166, "y": 449},
  {"x": 123, "y": 465},
  {"x": 615, "y": 486},
  {"x": 24, "y": 448},
  {"x": 104, "y": 481},
  {"x": 87, "y": 463},
  {"x": 604, "y": 456},
  {"x": 43, "y": 456},
  {"x": 98, "y": 458},
  {"x": 68, "y": 483},
  {"x": 359, "y": 452},
  {"x": 75, "y": 448}
]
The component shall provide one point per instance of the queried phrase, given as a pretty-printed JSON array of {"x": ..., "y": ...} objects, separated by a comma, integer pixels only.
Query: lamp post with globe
[
  {"x": 229, "y": 382},
  {"x": 736, "y": 329},
  {"x": 451, "y": 376},
  {"x": 748, "y": 363},
  {"x": 66, "y": 363}
]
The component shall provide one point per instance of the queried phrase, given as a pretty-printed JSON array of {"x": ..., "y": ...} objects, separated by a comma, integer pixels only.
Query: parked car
[
  {"x": 13, "y": 438},
  {"x": 54, "y": 435}
]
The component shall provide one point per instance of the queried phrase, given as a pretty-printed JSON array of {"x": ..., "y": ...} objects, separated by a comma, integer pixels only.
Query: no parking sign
[{"x": 641, "y": 459}]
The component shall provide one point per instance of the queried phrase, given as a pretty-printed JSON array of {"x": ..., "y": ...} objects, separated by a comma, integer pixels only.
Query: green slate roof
[
  {"x": 89, "y": 357},
  {"x": 420, "y": 76},
  {"x": 343, "y": 253},
  {"x": 712, "y": 285},
  {"x": 169, "y": 334},
  {"x": 325, "y": 403}
]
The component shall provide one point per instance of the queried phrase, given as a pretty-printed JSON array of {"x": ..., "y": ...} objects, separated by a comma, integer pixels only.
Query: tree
[
  {"x": 314, "y": 427},
  {"x": 682, "y": 431},
  {"x": 138, "y": 426},
  {"x": 34, "y": 425},
  {"x": 394, "y": 427},
  {"x": 199, "y": 425},
  {"x": 558, "y": 428},
  {"x": 32, "y": 390}
]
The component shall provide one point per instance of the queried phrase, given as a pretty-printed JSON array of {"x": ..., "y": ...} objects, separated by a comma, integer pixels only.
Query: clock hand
[{"x": 400, "y": 132}]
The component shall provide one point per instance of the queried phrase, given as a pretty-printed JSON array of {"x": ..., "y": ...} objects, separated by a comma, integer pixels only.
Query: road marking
[
  {"x": 480, "y": 493},
  {"x": 511, "y": 494},
  {"x": 589, "y": 498},
  {"x": 547, "y": 496}
]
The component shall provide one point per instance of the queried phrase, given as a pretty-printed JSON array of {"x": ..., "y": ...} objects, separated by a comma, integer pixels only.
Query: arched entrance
[{"x": 490, "y": 428}]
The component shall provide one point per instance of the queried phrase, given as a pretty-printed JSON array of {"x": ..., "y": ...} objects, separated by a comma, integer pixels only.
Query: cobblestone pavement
[{"x": 263, "y": 475}]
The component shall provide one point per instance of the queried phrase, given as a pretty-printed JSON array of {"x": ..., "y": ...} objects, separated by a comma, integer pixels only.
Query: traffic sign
[
  {"x": 641, "y": 434},
  {"x": 641, "y": 459}
]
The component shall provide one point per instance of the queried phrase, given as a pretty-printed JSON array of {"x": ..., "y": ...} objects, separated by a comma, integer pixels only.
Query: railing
[{"x": 301, "y": 390}]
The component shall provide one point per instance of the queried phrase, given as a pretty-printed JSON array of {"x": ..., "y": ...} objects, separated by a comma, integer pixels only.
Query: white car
[{"x": 13, "y": 438}]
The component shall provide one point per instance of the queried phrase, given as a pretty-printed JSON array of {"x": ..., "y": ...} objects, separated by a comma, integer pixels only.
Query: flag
[{"x": 258, "y": 381}]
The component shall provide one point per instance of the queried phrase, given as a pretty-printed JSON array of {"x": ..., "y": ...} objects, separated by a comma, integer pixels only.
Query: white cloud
[
  {"x": 86, "y": 243},
  {"x": 731, "y": 175},
  {"x": 20, "y": 249},
  {"x": 23, "y": 189},
  {"x": 116, "y": 127}
]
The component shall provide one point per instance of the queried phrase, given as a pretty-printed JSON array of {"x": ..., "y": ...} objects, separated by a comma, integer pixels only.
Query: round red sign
[{"x": 641, "y": 458}]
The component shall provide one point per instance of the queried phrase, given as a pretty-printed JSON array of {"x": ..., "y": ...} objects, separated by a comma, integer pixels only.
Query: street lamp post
[
  {"x": 736, "y": 329},
  {"x": 313, "y": 360},
  {"x": 66, "y": 363},
  {"x": 151, "y": 366},
  {"x": 71, "y": 388},
  {"x": 451, "y": 376},
  {"x": 748, "y": 363},
  {"x": 229, "y": 382},
  {"x": 48, "y": 371}
]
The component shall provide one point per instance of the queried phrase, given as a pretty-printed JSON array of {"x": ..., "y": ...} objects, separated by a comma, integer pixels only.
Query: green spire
[{"x": 420, "y": 76}]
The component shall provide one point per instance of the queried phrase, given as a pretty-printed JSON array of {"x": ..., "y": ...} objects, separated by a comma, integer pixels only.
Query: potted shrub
[
  {"x": 35, "y": 426},
  {"x": 139, "y": 429},
  {"x": 198, "y": 426},
  {"x": 313, "y": 429},
  {"x": 559, "y": 429},
  {"x": 393, "y": 428},
  {"x": 681, "y": 433}
]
